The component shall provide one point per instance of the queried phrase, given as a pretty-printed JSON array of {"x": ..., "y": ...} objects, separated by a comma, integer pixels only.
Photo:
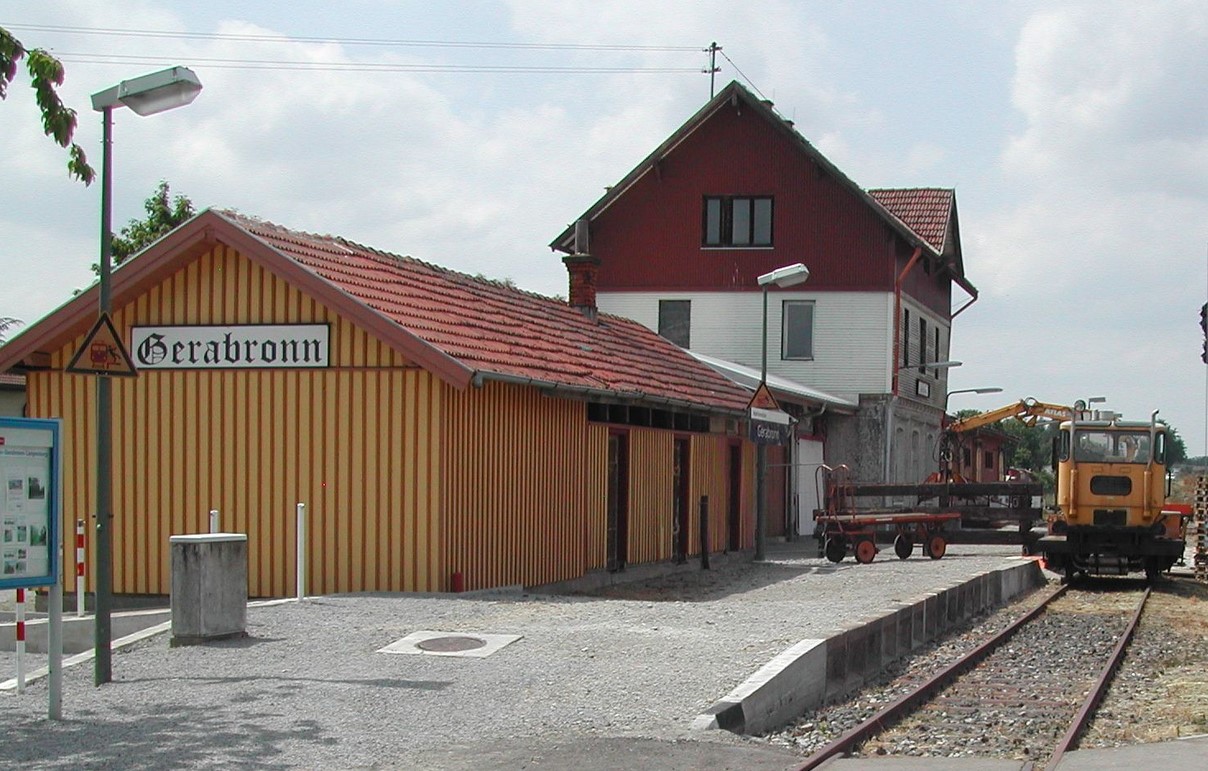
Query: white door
[{"x": 809, "y": 458}]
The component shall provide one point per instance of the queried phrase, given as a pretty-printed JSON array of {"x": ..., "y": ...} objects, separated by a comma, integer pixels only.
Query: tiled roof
[
  {"x": 496, "y": 329},
  {"x": 925, "y": 210},
  {"x": 11, "y": 380}
]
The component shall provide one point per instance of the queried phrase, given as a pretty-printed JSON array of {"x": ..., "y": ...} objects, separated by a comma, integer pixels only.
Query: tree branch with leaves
[{"x": 46, "y": 75}]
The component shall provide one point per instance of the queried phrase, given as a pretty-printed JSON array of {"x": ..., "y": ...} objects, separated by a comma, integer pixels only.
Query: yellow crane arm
[{"x": 1027, "y": 411}]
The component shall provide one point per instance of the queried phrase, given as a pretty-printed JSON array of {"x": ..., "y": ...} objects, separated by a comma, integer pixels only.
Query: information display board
[{"x": 30, "y": 486}]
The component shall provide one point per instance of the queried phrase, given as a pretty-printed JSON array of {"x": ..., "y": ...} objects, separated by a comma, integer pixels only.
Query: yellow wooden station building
[{"x": 443, "y": 430}]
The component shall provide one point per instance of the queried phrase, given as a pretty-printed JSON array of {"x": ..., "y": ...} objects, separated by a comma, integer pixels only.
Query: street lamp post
[
  {"x": 788, "y": 275},
  {"x": 145, "y": 95},
  {"x": 988, "y": 390}
]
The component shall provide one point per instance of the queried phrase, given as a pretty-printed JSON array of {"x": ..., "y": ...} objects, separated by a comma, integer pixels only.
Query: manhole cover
[{"x": 451, "y": 644}]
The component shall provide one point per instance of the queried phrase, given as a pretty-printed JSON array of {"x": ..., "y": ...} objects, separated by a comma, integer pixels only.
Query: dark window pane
[
  {"x": 712, "y": 221},
  {"x": 763, "y": 222},
  {"x": 741, "y": 222},
  {"x": 922, "y": 345},
  {"x": 675, "y": 321},
  {"x": 798, "y": 330}
]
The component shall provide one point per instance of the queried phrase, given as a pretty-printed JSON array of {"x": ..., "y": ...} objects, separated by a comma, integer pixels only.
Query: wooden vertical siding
[
  {"x": 651, "y": 490},
  {"x": 357, "y": 442},
  {"x": 651, "y": 482},
  {"x": 709, "y": 456},
  {"x": 523, "y": 488}
]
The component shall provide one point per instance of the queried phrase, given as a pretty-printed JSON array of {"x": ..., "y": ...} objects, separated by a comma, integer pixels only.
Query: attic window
[{"x": 736, "y": 221}]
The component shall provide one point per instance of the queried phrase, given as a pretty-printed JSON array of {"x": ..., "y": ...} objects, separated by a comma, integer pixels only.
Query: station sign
[
  {"x": 768, "y": 424},
  {"x": 242, "y": 346}
]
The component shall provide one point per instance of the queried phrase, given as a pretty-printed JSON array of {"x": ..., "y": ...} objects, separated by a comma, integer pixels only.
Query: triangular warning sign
[
  {"x": 102, "y": 352},
  {"x": 763, "y": 399}
]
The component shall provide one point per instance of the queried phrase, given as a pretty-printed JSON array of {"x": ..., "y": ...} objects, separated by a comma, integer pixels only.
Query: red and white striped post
[
  {"x": 79, "y": 567},
  {"x": 20, "y": 641}
]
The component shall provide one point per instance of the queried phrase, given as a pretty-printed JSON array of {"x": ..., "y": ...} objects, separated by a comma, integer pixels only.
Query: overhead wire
[
  {"x": 269, "y": 38},
  {"x": 743, "y": 75},
  {"x": 223, "y": 63},
  {"x": 81, "y": 57}
]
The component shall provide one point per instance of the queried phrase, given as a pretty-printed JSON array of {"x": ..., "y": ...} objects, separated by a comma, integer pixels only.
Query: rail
[{"x": 903, "y": 705}]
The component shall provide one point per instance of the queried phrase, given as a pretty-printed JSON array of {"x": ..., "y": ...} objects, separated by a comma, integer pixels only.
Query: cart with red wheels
[{"x": 857, "y": 533}]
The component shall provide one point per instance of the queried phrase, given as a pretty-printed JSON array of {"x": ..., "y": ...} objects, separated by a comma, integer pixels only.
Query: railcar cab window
[
  {"x": 736, "y": 221},
  {"x": 1116, "y": 446}
]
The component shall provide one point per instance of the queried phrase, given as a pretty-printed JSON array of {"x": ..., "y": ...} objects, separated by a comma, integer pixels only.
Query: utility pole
[{"x": 712, "y": 49}]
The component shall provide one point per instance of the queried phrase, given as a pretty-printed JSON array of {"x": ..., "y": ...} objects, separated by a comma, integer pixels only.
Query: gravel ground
[{"x": 307, "y": 688}]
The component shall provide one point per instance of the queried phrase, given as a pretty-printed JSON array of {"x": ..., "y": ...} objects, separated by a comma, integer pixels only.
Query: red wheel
[
  {"x": 865, "y": 551},
  {"x": 936, "y": 546}
]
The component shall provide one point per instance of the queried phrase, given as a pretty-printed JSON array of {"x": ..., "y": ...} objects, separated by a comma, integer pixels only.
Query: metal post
[
  {"x": 704, "y": 532},
  {"x": 214, "y": 527},
  {"x": 301, "y": 570},
  {"x": 54, "y": 650},
  {"x": 761, "y": 456},
  {"x": 103, "y": 670}
]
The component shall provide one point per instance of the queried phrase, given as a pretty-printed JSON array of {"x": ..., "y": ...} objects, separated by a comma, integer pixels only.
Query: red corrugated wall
[{"x": 650, "y": 237}]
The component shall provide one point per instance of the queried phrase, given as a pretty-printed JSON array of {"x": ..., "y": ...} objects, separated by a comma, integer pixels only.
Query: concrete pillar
[{"x": 209, "y": 587}]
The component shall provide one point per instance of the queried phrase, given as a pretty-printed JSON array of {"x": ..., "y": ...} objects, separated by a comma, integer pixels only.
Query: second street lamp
[
  {"x": 145, "y": 95},
  {"x": 788, "y": 275}
]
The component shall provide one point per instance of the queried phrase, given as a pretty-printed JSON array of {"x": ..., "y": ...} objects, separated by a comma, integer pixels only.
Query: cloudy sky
[{"x": 469, "y": 134}]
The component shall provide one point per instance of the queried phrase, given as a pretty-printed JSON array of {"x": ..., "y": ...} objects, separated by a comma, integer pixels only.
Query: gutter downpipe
[
  {"x": 972, "y": 290},
  {"x": 897, "y": 347}
]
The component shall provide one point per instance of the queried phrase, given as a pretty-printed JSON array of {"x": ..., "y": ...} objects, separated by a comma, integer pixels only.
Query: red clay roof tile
[
  {"x": 497, "y": 329},
  {"x": 925, "y": 210}
]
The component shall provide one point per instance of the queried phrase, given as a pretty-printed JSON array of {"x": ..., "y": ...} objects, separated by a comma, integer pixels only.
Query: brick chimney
[{"x": 582, "y": 269}]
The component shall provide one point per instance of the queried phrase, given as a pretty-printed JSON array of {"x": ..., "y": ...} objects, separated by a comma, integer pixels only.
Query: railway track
[{"x": 1026, "y": 693}]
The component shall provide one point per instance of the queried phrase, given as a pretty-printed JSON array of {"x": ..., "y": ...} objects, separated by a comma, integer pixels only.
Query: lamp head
[
  {"x": 789, "y": 275},
  {"x": 153, "y": 93}
]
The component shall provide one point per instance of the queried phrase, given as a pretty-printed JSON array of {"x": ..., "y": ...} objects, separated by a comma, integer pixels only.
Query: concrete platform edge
[{"x": 808, "y": 673}]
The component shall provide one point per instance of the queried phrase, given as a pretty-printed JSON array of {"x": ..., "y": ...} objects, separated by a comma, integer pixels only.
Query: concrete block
[
  {"x": 891, "y": 636},
  {"x": 836, "y": 665},
  {"x": 209, "y": 587},
  {"x": 874, "y": 654},
  {"x": 784, "y": 688},
  {"x": 857, "y": 648},
  {"x": 918, "y": 623},
  {"x": 931, "y": 611}
]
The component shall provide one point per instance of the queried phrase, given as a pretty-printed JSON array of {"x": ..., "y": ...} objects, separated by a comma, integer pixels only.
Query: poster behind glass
[{"x": 28, "y": 502}]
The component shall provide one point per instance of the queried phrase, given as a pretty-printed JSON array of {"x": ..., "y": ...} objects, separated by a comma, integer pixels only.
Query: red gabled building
[{"x": 737, "y": 192}]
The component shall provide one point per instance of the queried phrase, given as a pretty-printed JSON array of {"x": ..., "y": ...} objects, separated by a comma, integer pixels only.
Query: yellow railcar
[{"x": 1111, "y": 491}]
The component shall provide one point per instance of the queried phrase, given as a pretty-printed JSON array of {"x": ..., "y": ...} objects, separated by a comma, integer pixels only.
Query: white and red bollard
[
  {"x": 79, "y": 567},
  {"x": 20, "y": 641}
]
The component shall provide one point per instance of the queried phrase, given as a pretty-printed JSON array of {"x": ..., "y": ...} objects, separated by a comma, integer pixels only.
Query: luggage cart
[{"x": 858, "y": 533}]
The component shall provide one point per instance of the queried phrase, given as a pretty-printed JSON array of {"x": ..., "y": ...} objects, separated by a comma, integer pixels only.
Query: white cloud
[{"x": 1092, "y": 257}]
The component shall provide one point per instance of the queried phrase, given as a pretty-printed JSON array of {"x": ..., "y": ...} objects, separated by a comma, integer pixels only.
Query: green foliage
[
  {"x": 1176, "y": 448},
  {"x": 46, "y": 75},
  {"x": 164, "y": 212},
  {"x": 7, "y": 323},
  {"x": 1033, "y": 445}
]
